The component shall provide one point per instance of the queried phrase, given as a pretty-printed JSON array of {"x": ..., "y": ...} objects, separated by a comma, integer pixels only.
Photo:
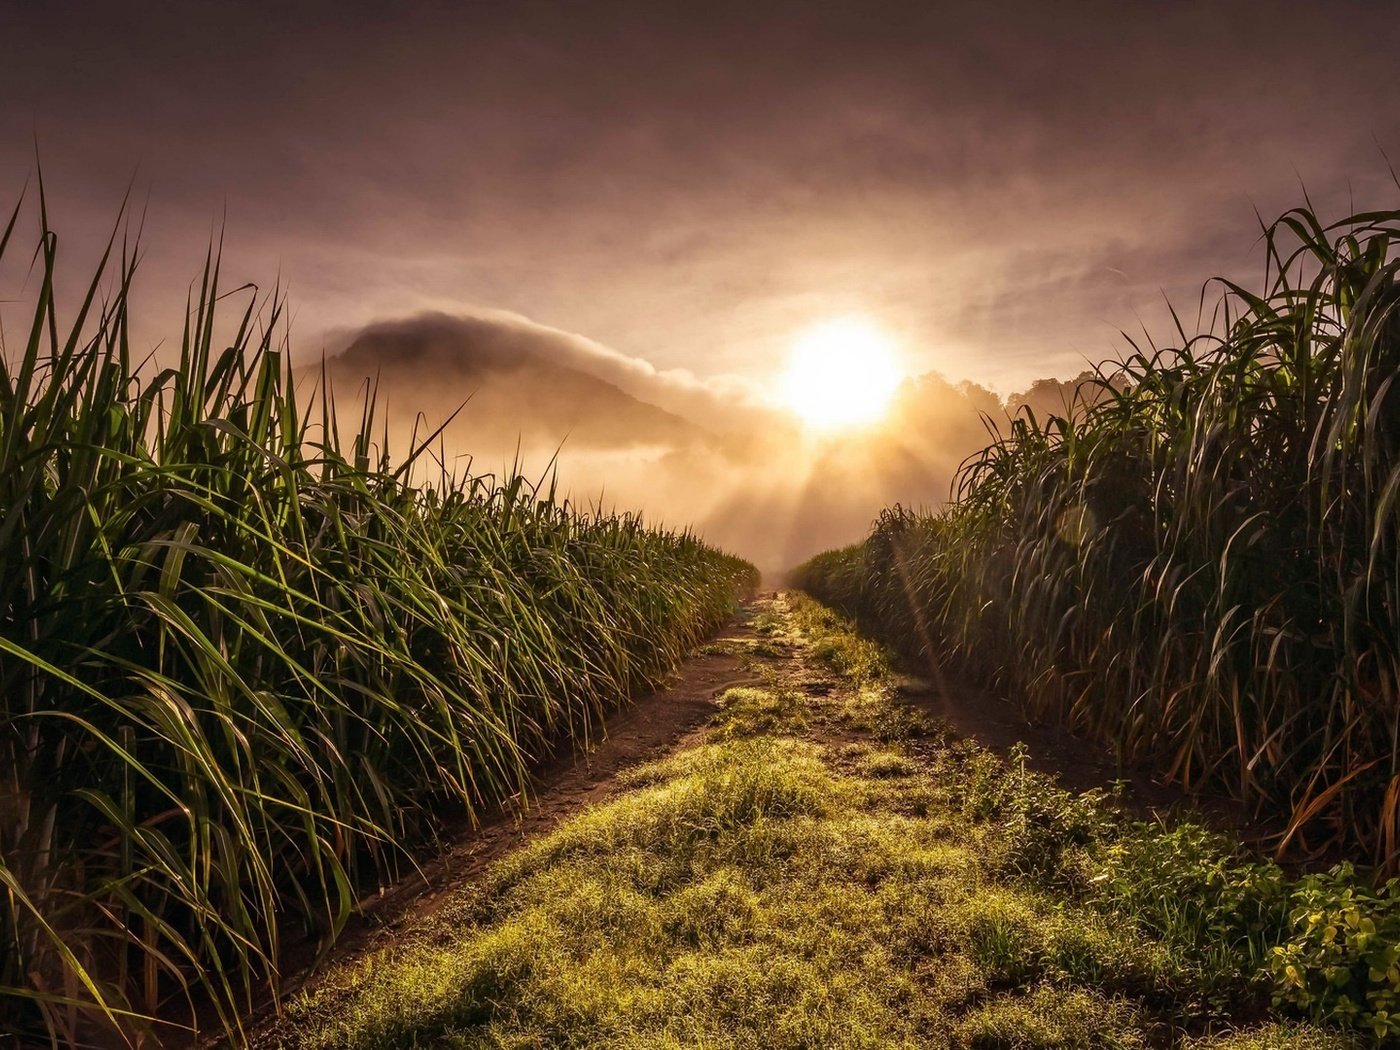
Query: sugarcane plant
[
  {"x": 247, "y": 659},
  {"x": 1199, "y": 564}
]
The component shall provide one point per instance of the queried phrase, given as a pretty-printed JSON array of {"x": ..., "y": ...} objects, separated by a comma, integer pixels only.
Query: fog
[{"x": 609, "y": 431}]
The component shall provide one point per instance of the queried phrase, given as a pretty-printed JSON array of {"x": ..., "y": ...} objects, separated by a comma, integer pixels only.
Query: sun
[{"x": 842, "y": 373}]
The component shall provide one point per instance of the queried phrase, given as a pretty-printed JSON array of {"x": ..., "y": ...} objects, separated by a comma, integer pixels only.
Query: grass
[
  {"x": 796, "y": 882},
  {"x": 247, "y": 660},
  {"x": 1200, "y": 566}
]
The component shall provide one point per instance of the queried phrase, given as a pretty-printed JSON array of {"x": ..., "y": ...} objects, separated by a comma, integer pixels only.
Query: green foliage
[
  {"x": 750, "y": 711},
  {"x": 723, "y": 902},
  {"x": 744, "y": 894},
  {"x": 1040, "y": 824},
  {"x": 245, "y": 658},
  {"x": 1197, "y": 891},
  {"x": 1342, "y": 957},
  {"x": 886, "y": 765},
  {"x": 1200, "y": 566},
  {"x": 1237, "y": 928},
  {"x": 831, "y": 640}
]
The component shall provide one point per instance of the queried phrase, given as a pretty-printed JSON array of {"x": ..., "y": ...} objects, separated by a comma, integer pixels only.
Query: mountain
[{"x": 514, "y": 386}]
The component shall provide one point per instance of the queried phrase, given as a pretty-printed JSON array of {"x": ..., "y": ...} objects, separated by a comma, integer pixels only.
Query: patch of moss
[
  {"x": 747, "y": 711},
  {"x": 1050, "y": 1016}
]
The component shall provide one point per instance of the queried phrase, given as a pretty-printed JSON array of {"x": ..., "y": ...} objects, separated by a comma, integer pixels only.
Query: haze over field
[{"x": 747, "y": 473}]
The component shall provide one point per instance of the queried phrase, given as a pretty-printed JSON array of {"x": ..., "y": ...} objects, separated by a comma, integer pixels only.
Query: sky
[
  {"x": 1004, "y": 185},
  {"x": 686, "y": 186}
]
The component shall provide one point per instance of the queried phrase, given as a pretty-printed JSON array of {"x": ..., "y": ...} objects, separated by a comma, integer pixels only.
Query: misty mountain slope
[{"x": 514, "y": 390}]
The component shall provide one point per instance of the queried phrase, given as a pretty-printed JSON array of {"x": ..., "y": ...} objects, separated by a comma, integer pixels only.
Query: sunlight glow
[{"x": 842, "y": 373}]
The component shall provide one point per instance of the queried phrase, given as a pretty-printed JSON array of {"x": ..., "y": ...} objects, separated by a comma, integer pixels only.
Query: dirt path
[
  {"x": 794, "y": 831},
  {"x": 676, "y": 718}
]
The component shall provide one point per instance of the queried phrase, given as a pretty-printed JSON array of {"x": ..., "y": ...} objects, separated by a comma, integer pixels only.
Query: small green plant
[
  {"x": 1185, "y": 881},
  {"x": 1342, "y": 958},
  {"x": 1277, "y": 1037},
  {"x": 1052, "y": 1019},
  {"x": 886, "y": 765},
  {"x": 747, "y": 711},
  {"x": 835, "y": 643},
  {"x": 1039, "y": 824}
]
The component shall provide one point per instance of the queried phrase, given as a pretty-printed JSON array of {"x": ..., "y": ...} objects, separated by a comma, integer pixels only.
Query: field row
[
  {"x": 830, "y": 868},
  {"x": 246, "y": 660}
]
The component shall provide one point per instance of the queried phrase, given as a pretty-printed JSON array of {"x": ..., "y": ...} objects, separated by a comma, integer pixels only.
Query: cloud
[
  {"x": 692, "y": 184},
  {"x": 486, "y": 340},
  {"x": 1004, "y": 187}
]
